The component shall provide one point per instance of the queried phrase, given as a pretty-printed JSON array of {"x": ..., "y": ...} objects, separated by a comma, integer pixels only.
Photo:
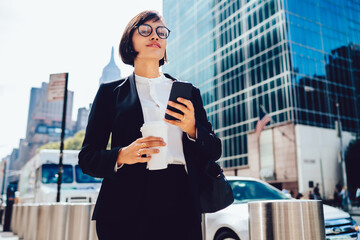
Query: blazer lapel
[
  {"x": 134, "y": 94},
  {"x": 128, "y": 106}
]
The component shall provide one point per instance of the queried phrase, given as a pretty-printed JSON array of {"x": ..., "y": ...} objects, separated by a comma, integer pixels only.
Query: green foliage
[
  {"x": 50, "y": 145},
  {"x": 72, "y": 143},
  {"x": 75, "y": 142}
]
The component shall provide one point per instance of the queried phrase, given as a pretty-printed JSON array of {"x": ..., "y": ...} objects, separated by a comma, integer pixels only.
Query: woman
[{"x": 135, "y": 202}]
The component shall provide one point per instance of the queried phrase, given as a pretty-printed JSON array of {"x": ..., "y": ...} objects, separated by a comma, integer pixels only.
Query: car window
[{"x": 247, "y": 191}]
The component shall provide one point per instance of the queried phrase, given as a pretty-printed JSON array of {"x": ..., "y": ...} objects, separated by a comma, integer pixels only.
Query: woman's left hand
[{"x": 187, "y": 121}]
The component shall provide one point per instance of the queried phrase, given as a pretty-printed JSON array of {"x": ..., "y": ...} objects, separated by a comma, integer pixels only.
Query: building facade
[
  {"x": 8, "y": 170},
  {"x": 111, "y": 71},
  {"x": 82, "y": 118},
  {"x": 44, "y": 118},
  {"x": 44, "y": 123},
  {"x": 299, "y": 66}
]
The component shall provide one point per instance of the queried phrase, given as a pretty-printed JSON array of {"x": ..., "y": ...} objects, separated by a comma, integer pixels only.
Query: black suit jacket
[{"x": 116, "y": 110}]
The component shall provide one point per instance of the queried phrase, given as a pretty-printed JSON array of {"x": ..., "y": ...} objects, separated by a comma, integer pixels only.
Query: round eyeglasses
[{"x": 145, "y": 30}]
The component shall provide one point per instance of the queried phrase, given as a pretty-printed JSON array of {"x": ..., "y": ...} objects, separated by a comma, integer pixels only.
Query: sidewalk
[{"x": 7, "y": 235}]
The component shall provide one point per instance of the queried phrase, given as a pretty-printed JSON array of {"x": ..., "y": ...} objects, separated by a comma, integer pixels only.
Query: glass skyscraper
[{"x": 293, "y": 59}]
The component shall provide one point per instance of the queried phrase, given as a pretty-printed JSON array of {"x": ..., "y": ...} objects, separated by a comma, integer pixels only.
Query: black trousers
[{"x": 167, "y": 212}]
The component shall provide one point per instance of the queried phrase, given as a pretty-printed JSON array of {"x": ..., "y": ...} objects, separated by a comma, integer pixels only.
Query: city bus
[{"x": 39, "y": 176}]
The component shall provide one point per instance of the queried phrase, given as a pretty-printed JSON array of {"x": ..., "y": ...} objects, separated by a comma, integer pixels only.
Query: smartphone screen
[{"x": 179, "y": 89}]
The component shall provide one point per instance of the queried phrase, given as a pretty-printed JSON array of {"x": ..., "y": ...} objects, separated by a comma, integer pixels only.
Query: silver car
[{"x": 232, "y": 222}]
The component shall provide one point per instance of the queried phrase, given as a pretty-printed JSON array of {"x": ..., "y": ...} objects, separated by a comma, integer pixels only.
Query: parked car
[{"x": 232, "y": 222}]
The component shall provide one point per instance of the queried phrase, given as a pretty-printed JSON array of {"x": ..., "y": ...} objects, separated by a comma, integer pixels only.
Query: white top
[{"x": 154, "y": 96}]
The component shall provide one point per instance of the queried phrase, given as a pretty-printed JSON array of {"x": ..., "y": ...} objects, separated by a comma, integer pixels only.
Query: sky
[{"x": 41, "y": 37}]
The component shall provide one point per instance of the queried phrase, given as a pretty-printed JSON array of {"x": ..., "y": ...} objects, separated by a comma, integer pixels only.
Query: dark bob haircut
[{"x": 126, "y": 47}]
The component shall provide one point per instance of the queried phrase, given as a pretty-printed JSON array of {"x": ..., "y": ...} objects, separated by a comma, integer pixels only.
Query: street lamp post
[
  {"x": 342, "y": 158},
  {"x": 341, "y": 154}
]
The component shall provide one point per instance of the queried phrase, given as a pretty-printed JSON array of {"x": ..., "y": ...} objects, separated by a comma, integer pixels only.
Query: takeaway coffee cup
[{"x": 156, "y": 129}]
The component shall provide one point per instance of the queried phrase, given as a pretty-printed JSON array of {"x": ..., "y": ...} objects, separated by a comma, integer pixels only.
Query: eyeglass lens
[{"x": 145, "y": 31}]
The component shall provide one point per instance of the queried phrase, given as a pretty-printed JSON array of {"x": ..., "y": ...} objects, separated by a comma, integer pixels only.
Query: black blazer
[{"x": 116, "y": 110}]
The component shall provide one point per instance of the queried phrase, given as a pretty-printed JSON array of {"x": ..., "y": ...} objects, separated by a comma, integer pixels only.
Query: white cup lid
[{"x": 161, "y": 124}]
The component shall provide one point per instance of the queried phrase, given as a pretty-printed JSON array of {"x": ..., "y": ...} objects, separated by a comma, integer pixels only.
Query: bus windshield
[
  {"x": 50, "y": 173},
  {"x": 84, "y": 178}
]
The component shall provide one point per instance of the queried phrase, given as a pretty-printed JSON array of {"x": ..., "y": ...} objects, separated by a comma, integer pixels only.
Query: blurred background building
[
  {"x": 295, "y": 61},
  {"x": 43, "y": 125},
  {"x": 111, "y": 71},
  {"x": 82, "y": 118}
]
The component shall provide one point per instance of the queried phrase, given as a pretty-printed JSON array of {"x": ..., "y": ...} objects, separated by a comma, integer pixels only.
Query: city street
[{"x": 246, "y": 116}]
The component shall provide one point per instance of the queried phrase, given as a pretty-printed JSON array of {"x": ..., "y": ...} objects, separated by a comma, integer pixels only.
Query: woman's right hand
[{"x": 141, "y": 146}]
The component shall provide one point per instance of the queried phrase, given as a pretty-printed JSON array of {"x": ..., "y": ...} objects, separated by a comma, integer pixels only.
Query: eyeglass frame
[{"x": 137, "y": 26}]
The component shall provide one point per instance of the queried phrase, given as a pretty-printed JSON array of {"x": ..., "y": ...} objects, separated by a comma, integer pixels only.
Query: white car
[{"x": 232, "y": 222}]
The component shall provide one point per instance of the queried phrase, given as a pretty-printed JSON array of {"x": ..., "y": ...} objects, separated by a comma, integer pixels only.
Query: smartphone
[{"x": 178, "y": 89}]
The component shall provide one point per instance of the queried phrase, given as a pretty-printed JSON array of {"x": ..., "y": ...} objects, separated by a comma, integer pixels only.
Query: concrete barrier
[
  {"x": 23, "y": 220},
  {"x": 31, "y": 226},
  {"x": 43, "y": 222},
  {"x": 17, "y": 222},
  {"x": 92, "y": 230},
  {"x": 58, "y": 213},
  {"x": 54, "y": 221},
  {"x": 78, "y": 221},
  {"x": 286, "y": 219},
  {"x": 13, "y": 217},
  {"x": 15, "y": 227}
]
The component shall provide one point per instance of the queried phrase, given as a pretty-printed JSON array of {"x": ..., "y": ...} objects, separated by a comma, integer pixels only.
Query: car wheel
[{"x": 226, "y": 235}]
